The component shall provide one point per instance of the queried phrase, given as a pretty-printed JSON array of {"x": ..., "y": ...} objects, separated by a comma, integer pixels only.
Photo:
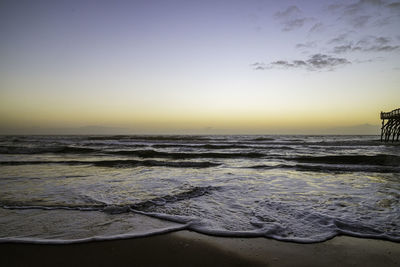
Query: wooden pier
[{"x": 391, "y": 129}]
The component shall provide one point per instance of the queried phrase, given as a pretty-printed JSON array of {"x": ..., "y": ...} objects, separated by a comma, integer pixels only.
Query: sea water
[{"x": 65, "y": 189}]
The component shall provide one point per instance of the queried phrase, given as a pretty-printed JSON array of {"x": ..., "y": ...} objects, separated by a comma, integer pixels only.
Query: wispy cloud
[
  {"x": 342, "y": 49},
  {"x": 361, "y": 6},
  {"x": 306, "y": 45},
  {"x": 355, "y": 29},
  {"x": 394, "y": 7},
  {"x": 366, "y": 44},
  {"x": 293, "y": 24},
  {"x": 367, "y": 12},
  {"x": 258, "y": 66},
  {"x": 339, "y": 39},
  {"x": 333, "y": 7},
  {"x": 317, "y": 27},
  {"x": 313, "y": 63},
  {"x": 291, "y": 18},
  {"x": 360, "y": 21},
  {"x": 288, "y": 12}
]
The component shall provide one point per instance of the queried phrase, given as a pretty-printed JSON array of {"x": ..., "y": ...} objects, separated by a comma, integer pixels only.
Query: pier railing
[{"x": 392, "y": 114}]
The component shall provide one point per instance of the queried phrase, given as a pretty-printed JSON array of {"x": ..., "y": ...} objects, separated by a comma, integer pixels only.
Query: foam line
[{"x": 91, "y": 239}]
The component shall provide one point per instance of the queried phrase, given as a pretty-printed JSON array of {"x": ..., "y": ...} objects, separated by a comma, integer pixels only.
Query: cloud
[
  {"x": 317, "y": 27},
  {"x": 294, "y": 24},
  {"x": 367, "y": 44},
  {"x": 258, "y": 66},
  {"x": 321, "y": 61},
  {"x": 334, "y": 7},
  {"x": 374, "y": 41},
  {"x": 342, "y": 28},
  {"x": 357, "y": 14},
  {"x": 342, "y": 49},
  {"x": 367, "y": 12},
  {"x": 305, "y": 45},
  {"x": 291, "y": 18},
  {"x": 313, "y": 63},
  {"x": 394, "y": 7},
  {"x": 385, "y": 48},
  {"x": 287, "y": 64},
  {"x": 339, "y": 39},
  {"x": 288, "y": 12},
  {"x": 381, "y": 40},
  {"x": 360, "y": 21},
  {"x": 369, "y": 60},
  {"x": 361, "y": 6}
]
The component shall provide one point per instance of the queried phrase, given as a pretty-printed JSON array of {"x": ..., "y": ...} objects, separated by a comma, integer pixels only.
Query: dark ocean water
[{"x": 58, "y": 189}]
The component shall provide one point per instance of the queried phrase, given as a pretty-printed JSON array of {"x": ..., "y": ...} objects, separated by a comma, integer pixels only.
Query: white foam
[
  {"x": 281, "y": 198},
  {"x": 90, "y": 239}
]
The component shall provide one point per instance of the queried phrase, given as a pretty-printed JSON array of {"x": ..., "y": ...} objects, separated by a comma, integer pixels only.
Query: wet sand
[{"x": 187, "y": 248}]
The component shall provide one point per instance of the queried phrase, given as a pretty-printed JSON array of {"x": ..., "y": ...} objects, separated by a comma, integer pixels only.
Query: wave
[
  {"x": 159, "y": 201},
  {"x": 263, "y": 139},
  {"x": 183, "y": 155},
  {"x": 310, "y": 226},
  {"x": 151, "y": 137},
  {"x": 330, "y": 226},
  {"x": 28, "y": 206},
  {"x": 29, "y": 240},
  {"x": 272, "y": 232},
  {"x": 330, "y": 169},
  {"x": 223, "y": 146},
  {"x": 142, "y": 153},
  {"x": 120, "y": 163},
  {"x": 45, "y": 150},
  {"x": 206, "y": 146},
  {"x": 108, "y": 137},
  {"x": 311, "y": 143},
  {"x": 345, "y": 143},
  {"x": 154, "y": 163},
  {"x": 380, "y": 159},
  {"x": 190, "y": 193}
]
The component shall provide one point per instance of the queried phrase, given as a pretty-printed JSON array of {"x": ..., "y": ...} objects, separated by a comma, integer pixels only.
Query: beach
[{"x": 187, "y": 248}]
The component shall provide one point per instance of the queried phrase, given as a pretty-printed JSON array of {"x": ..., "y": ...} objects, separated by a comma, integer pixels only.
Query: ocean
[{"x": 298, "y": 188}]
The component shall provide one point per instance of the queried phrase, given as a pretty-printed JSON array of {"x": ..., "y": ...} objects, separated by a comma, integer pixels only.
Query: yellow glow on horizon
[{"x": 290, "y": 104}]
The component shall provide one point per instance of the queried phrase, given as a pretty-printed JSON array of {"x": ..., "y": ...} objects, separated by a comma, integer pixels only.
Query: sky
[{"x": 232, "y": 67}]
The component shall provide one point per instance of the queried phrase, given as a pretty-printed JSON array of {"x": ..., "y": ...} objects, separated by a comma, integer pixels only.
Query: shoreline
[{"x": 187, "y": 248}]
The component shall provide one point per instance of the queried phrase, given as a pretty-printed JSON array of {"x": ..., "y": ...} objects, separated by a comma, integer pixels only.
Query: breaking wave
[
  {"x": 216, "y": 185},
  {"x": 190, "y": 193},
  {"x": 151, "y": 137},
  {"x": 185, "y": 155},
  {"x": 121, "y": 163},
  {"x": 44, "y": 150},
  {"x": 330, "y": 168},
  {"x": 380, "y": 160}
]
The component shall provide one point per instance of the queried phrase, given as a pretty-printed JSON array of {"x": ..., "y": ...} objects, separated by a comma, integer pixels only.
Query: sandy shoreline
[{"x": 187, "y": 248}]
